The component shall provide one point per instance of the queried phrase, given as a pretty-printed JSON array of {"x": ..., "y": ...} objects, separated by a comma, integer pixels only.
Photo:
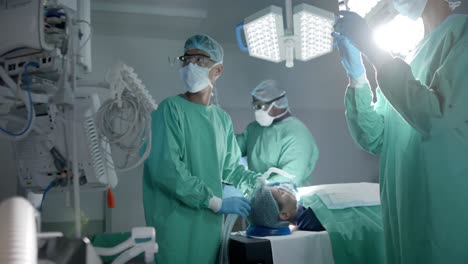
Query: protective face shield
[
  {"x": 195, "y": 77},
  {"x": 264, "y": 119},
  {"x": 410, "y": 8}
]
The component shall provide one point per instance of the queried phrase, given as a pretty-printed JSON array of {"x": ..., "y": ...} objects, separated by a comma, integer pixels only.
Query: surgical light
[
  {"x": 314, "y": 27},
  {"x": 263, "y": 31},
  {"x": 266, "y": 38}
]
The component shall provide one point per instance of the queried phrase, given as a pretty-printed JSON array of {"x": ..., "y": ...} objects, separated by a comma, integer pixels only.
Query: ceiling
[{"x": 174, "y": 19}]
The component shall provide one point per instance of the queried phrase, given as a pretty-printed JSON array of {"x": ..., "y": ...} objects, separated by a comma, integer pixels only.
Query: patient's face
[{"x": 286, "y": 201}]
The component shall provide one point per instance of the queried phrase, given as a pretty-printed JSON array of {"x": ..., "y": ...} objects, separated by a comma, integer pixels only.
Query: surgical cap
[
  {"x": 265, "y": 210},
  {"x": 207, "y": 44},
  {"x": 268, "y": 90}
]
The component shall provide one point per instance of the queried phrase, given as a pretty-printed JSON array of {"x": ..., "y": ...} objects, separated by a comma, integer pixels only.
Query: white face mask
[
  {"x": 196, "y": 78},
  {"x": 264, "y": 119},
  {"x": 410, "y": 8}
]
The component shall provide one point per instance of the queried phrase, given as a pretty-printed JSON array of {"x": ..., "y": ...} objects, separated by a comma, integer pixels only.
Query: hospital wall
[{"x": 315, "y": 91}]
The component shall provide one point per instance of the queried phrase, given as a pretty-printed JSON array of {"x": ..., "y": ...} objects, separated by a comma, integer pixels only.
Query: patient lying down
[{"x": 276, "y": 207}]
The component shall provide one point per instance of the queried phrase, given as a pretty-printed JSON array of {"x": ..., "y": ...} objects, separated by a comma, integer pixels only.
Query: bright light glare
[
  {"x": 262, "y": 36},
  {"x": 400, "y": 36},
  {"x": 362, "y": 7}
]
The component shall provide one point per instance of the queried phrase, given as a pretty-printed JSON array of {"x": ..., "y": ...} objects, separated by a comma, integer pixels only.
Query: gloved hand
[
  {"x": 359, "y": 34},
  {"x": 355, "y": 28},
  {"x": 235, "y": 205},
  {"x": 350, "y": 56}
]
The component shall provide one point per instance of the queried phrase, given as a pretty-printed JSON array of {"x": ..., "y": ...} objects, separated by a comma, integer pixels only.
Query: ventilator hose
[
  {"x": 229, "y": 224},
  {"x": 227, "y": 228},
  {"x": 18, "y": 243}
]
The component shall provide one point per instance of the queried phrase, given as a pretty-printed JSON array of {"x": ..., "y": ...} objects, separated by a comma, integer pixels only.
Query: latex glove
[
  {"x": 235, "y": 205},
  {"x": 350, "y": 56},
  {"x": 356, "y": 29}
]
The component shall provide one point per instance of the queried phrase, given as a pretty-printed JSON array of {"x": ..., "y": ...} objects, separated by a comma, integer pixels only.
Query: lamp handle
[{"x": 242, "y": 46}]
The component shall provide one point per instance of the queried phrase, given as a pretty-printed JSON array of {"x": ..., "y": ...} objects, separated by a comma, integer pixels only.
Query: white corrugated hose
[{"x": 18, "y": 234}]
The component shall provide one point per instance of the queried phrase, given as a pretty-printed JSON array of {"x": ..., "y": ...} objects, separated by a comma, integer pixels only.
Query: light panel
[
  {"x": 313, "y": 27},
  {"x": 263, "y": 31}
]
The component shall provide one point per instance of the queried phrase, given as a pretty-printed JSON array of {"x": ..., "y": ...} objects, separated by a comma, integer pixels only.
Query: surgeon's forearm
[
  {"x": 241, "y": 141},
  {"x": 185, "y": 187},
  {"x": 414, "y": 101},
  {"x": 215, "y": 204},
  {"x": 241, "y": 178},
  {"x": 378, "y": 57},
  {"x": 359, "y": 82},
  {"x": 364, "y": 123}
]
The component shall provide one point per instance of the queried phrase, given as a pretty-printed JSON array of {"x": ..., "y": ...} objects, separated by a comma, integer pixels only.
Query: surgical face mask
[
  {"x": 264, "y": 119},
  {"x": 196, "y": 78},
  {"x": 410, "y": 8}
]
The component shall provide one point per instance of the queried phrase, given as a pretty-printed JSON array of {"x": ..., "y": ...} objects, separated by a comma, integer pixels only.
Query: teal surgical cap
[
  {"x": 265, "y": 210},
  {"x": 207, "y": 44},
  {"x": 268, "y": 91}
]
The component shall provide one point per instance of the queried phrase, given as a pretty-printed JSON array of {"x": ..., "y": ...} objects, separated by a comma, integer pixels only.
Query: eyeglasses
[
  {"x": 199, "y": 59},
  {"x": 256, "y": 105}
]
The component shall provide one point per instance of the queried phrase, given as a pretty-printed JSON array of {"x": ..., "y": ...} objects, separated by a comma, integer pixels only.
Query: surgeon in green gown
[
  {"x": 418, "y": 126},
  {"x": 277, "y": 138},
  {"x": 193, "y": 150}
]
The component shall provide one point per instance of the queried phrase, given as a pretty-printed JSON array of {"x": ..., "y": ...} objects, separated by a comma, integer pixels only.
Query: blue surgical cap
[
  {"x": 265, "y": 210},
  {"x": 268, "y": 90},
  {"x": 207, "y": 44}
]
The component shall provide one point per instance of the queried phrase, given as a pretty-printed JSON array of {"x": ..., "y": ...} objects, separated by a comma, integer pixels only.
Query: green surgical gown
[
  {"x": 286, "y": 145},
  {"x": 419, "y": 126},
  {"x": 194, "y": 148}
]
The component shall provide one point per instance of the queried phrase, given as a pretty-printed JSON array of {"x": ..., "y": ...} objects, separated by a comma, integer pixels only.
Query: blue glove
[
  {"x": 355, "y": 28},
  {"x": 350, "y": 56},
  {"x": 235, "y": 205}
]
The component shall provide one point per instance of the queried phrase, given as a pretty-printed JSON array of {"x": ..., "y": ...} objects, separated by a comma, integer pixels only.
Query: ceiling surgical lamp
[{"x": 307, "y": 34}]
